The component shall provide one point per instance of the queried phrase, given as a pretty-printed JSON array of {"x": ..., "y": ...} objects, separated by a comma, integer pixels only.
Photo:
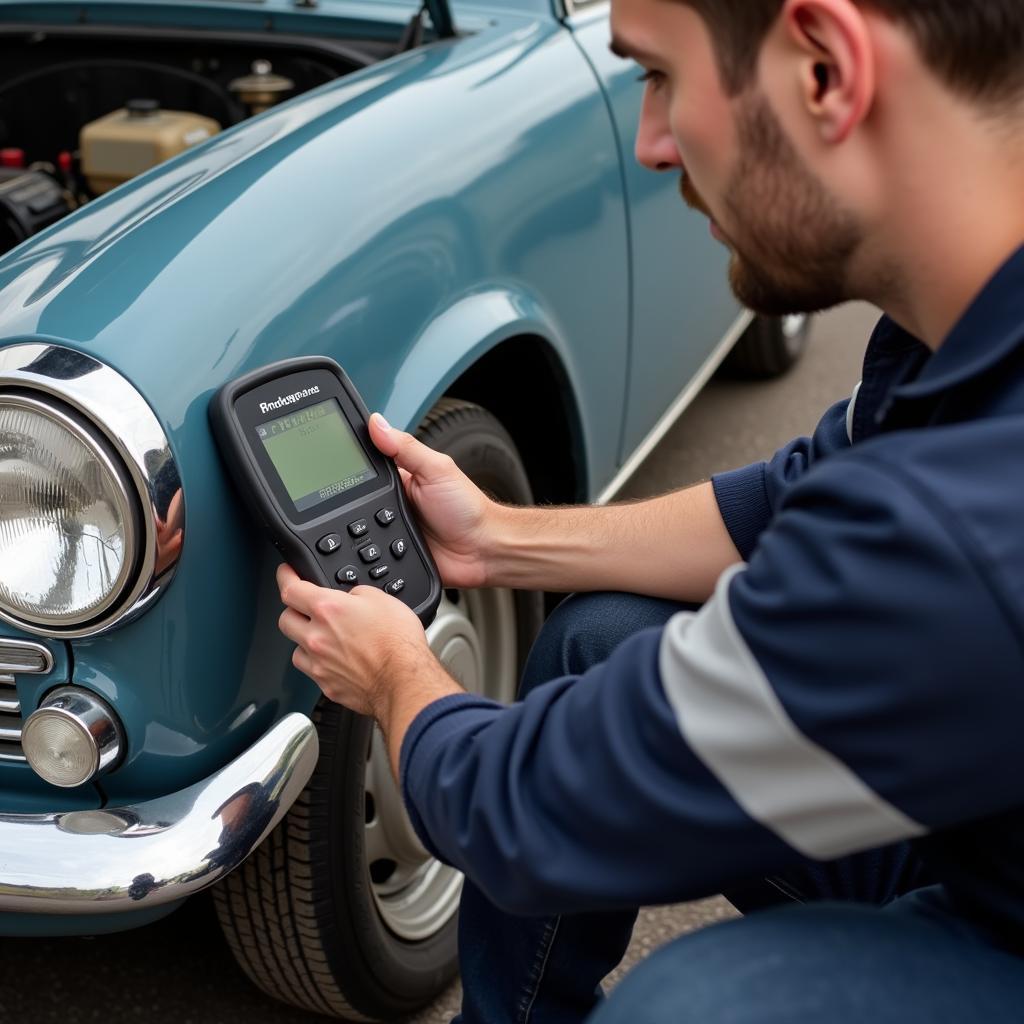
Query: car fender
[{"x": 461, "y": 336}]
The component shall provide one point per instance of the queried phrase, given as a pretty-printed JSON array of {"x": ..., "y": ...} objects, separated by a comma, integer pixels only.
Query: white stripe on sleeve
[{"x": 733, "y": 720}]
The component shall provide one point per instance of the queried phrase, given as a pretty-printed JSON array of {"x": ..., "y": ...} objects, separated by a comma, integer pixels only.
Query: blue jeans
[{"x": 789, "y": 963}]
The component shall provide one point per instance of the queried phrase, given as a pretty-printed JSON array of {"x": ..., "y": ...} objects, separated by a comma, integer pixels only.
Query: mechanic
[{"x": 843, "y": 714}]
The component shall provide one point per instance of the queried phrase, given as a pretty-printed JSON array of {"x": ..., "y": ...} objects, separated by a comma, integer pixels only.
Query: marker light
[{"x": 73, "y": 737}]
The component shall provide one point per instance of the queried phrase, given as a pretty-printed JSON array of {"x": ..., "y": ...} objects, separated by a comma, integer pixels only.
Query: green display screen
[{"x": 315, "y": 453}]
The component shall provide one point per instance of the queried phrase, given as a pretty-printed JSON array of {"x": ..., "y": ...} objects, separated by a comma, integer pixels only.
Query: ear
[{"x": 837, "y": 63}]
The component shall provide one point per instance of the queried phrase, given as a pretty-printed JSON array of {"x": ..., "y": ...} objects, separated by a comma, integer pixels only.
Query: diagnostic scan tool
[{"x": 295, "y": 440}]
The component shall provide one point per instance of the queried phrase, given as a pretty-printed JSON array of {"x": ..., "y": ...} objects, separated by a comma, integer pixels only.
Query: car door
[{"x": 681, "y": 305}]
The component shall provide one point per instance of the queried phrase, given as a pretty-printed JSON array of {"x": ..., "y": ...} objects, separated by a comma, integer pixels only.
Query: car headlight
[
  {"x": 92, "y": 511},
  {"x": 68, "y": 535}
]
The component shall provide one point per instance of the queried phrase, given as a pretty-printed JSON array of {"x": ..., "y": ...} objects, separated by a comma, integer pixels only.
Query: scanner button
[
  {"x": 385, "y": 516},
  {"x": 358, "y": 528},
  {"x": 329, "y": 544},
  {"x": 395, "y": 586},
  {"x": 371, "y": 553},
  {"x": 379, "y": 571},
  {"x": 398, "y": 548},
  {"x": 347, "y": 577}
]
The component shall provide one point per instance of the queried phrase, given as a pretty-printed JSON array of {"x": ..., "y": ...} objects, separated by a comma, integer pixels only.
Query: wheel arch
[
  {"x": 502, "y": 349},
  {"x": 513, "y": 381}
]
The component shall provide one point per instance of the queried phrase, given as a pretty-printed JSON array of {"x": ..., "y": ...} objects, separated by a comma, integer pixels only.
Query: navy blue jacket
[{"x": 858, "y": 681}]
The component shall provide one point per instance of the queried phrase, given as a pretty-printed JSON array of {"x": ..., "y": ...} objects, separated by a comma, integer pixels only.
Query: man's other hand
[{"x": 357, "y": 647}]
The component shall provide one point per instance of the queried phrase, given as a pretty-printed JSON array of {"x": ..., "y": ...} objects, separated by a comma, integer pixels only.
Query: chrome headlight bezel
[{"x": 108, "y": 410}]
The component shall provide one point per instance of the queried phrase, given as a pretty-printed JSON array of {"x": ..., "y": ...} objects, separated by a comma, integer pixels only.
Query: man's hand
[
  {"x": 675, "y": 546},
  {"x": 349, "y": 644},
  {"x": 365, "y": 650},
  {"x": 454, "y": 513}
]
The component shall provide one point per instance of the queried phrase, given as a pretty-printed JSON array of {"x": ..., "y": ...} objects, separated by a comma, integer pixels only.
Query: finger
[
  {"x": 285, "y": 575},
  {"x": 296, "y": 592},
  {"x": 302, "y": 661},
  {"x": 410, "y": 454},
  {"x": 293, "y": 625}
]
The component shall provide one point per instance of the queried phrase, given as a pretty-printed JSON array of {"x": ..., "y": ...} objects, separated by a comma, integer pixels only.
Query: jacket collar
[{"x": 990, "y": 330}]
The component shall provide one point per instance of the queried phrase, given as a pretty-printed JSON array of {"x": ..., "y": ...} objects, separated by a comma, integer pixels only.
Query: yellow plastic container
[{"x": 127, "y": 142}]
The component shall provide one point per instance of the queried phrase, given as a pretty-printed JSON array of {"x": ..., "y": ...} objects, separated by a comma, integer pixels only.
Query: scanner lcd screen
[{"x": 316, "y": 454}]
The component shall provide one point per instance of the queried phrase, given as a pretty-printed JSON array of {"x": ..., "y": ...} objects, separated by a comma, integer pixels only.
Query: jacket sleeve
[
  {"x": 749, "y": 497},
  {"x": 856, "y": 684}
]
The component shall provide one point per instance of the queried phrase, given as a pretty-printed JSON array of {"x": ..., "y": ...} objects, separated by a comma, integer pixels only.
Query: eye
[{"x": 655, "y": 79}]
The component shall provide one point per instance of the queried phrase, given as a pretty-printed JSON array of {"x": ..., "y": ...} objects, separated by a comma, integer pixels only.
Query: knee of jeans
[{"x": 584, "y": 630}]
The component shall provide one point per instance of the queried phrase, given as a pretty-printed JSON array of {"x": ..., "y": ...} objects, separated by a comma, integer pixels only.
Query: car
[{"x": 444, "y": 200}]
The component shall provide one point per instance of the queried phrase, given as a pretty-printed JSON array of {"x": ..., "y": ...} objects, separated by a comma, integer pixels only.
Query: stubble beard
[{"x": 793, "y": 244}]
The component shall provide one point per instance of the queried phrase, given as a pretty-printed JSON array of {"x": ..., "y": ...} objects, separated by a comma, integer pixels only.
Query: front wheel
[{"x": 341, "y": 910}]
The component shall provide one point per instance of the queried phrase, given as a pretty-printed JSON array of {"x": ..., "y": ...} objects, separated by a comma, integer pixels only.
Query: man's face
[{"x": 791, "y": 241}]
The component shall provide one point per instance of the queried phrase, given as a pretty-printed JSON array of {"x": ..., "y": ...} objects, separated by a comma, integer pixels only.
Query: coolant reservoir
[{"x": 127, "y": 142}]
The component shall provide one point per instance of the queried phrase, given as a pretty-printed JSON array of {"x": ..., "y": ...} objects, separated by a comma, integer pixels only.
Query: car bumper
[{"x": 160, "y": 851}]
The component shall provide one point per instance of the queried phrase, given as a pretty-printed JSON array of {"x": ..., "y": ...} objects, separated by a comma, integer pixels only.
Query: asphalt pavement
[{"x": 180, "y": 970}]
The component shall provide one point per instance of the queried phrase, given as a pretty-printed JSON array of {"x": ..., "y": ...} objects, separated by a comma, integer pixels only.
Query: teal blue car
[{"x": 444, "y": 200}]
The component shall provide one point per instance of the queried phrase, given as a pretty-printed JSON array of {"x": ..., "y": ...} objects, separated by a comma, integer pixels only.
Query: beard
[{"x": 793, "y": 244}]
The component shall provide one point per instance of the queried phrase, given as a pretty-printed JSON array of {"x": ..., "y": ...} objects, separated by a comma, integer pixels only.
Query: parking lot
[{"x": 180, "y": 970}]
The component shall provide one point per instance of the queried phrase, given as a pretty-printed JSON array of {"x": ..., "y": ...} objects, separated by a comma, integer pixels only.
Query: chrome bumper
[{"x": 131, "y": 858}]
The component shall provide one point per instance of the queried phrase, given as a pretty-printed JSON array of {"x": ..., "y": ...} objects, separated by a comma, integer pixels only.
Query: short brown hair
[{"x": 975, "y": 46}]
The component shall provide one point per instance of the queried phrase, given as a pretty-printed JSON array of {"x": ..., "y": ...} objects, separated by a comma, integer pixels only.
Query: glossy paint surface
[{"x": 403, "y": 220}]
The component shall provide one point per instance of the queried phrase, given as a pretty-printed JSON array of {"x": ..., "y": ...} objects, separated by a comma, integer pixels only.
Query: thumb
[{"x": 411, "y": 455}]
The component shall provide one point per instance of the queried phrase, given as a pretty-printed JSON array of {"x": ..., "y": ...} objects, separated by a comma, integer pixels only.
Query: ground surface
[{"x": 179, "y": 970}]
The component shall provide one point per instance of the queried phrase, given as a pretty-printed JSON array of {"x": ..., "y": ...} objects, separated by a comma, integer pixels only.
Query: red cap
[
  {"x": 12, "y": 157},
  {"x": 65, "y": 161}
]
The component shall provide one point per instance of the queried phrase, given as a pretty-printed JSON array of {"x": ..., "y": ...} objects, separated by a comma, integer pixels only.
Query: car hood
[{"x": 439, "y": 10}]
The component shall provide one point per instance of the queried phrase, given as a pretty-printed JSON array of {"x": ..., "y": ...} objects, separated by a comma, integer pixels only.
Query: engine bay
[{"x": 82, "y": 110}]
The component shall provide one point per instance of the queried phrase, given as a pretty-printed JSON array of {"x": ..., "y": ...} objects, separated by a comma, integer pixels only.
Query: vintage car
[{"x": 445, "y": 201}]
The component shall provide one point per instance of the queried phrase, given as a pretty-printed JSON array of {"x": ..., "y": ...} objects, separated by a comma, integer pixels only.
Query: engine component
[
  {"x": 29, "y": 202},
  {"x": 126, "y": 142},
  {"x": 261, "y": 89}
]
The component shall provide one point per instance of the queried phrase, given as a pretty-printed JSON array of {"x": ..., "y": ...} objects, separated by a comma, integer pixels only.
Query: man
[{"x": 843, "y": 715}]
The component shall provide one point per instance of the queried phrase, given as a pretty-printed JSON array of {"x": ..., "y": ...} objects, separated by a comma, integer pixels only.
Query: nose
[{"x": 655, "y": 148}]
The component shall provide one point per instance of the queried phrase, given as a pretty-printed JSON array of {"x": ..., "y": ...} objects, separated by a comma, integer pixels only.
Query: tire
[
  {"x": 770, "y": 347},
  {"x": 340, "y": 910}
]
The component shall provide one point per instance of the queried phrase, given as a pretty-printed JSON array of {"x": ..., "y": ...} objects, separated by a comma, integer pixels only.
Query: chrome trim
[
  {"x": 678, "y": 407},
  {"x": 18, "y": 657},
  {"x": 93, "y": 716},
  {"x": 140, "y": 856},
  {"x": 10, "y": 734},
  {"x": 9, "y": 648},
  {"x": 97, "y": 446},
  {"x": 114, "y": 406}
]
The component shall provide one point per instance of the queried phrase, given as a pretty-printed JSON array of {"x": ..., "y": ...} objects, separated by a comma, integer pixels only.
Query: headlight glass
[{"x": 67, "y": 541}]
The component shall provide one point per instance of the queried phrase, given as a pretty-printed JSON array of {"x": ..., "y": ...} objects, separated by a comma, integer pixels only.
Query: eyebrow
[{"x": 621, "y": 48}]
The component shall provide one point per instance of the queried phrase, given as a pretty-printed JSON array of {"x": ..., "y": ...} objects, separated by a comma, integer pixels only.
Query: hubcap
[
  {"x": 794, "y": 333},
  {"x": 474, "y": 637},
  {"x": 793, "y": 325}
]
